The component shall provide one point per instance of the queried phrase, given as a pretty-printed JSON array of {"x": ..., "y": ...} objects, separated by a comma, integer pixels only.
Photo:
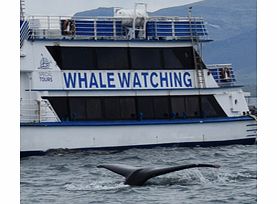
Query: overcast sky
[{"x": 70, "y": 7}]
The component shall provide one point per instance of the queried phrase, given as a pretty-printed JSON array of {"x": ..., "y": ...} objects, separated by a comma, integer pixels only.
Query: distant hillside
[{"x": 232, "y": 24}]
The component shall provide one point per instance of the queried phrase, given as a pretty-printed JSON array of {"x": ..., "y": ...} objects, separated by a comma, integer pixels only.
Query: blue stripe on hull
[
  {"x": 137, "y": 122},
  {"x": 248, "y": 141}
]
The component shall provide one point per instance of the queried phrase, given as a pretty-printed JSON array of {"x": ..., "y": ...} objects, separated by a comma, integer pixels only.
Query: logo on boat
[{"x": 44, "y": 63}]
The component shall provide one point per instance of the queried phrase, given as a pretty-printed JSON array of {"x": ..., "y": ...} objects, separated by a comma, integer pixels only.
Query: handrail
[
  {"x": 24, "y": 32},
  {"x": 116, "y": 28},
  {"x": 223, "y": 74}
]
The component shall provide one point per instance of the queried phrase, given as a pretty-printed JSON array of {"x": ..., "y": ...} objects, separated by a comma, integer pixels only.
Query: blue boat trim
[
  {"x": 140, "y": 122},
  {"x": 247, "y": 141}
]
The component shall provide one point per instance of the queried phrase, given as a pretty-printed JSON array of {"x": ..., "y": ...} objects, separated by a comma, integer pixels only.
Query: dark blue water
[{"x": 72, "y": 177}]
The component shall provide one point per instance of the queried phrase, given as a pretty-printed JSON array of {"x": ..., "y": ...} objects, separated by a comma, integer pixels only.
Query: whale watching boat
[{"x": 128, "y": 80}]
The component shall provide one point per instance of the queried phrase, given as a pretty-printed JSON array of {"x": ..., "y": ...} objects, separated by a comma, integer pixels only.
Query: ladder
[{"x": 200, "y": 77}]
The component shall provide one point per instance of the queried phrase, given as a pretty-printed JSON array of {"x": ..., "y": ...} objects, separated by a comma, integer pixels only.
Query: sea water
[{"x": 73, "y": 177}]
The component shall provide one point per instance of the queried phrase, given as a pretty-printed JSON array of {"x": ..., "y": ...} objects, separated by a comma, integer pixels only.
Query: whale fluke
[{"x": 138, "y": 176}]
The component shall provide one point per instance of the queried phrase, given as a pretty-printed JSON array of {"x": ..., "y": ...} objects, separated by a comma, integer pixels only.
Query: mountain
[{"x": 232, "y": 24}]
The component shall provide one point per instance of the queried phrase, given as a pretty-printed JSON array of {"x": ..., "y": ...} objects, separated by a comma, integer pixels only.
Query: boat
[{"x": 124, "y": 81}]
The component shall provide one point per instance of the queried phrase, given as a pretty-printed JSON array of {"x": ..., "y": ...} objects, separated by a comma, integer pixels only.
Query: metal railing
[
  {"x": 116, "y": 28},
  {"x": 223, "y": 74},
  {"x": 35, "y": 111},
  {"x": 24, "y": 31}
]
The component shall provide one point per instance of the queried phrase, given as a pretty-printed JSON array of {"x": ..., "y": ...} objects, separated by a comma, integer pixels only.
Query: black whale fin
[{"x": 138, "y": 176}]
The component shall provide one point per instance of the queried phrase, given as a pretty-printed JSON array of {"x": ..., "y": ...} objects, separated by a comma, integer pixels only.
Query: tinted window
[
  {"x": 60, "y": 105},
  {"x": 120, "y": 58},
  {"x": 146, "y": 58},
  {"x": 161, "y": 107},
  {"x": 128, "y": 108},
  {"x": 145, "y": 107},
  {"x": 192, "y": 106},
  {"x": 77, "y": 108},
  {"x": 112, "y": 58},
  {"x": 210, "y": 107},
  {"x": 171, "y": 61},
  {"x": 111, "y": 108},
  {"x": 178, "y": 106},
  {"x": 94, "y": 109},
  {"x": 136, "y": 107}
]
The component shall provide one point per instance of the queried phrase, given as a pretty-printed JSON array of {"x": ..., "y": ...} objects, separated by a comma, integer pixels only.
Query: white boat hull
[{"x": 43, "y": 137}]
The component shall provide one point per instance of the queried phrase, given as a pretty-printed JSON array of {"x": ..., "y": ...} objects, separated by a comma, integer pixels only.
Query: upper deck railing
[
  {"x": 223, "y": 74},
  {"x": 116, "y": 28}
]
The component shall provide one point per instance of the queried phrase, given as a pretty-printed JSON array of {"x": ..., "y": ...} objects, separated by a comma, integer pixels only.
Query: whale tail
[{"x": 138, "y": 176}]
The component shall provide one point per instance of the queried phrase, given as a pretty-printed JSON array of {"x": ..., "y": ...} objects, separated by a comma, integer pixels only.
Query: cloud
[{"x": 70, "y": 7}]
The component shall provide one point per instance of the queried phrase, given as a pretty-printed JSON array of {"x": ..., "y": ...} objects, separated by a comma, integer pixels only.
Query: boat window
[
  {"x": 60, "y": 104},
  {"x": 123, "y": 58},
  {"x": 178, "y": 107},
  {"x": 112, "y": 58},
  {"x": 145, "y": 108},
  {"x": 77, "y": 107},
  {"x": 128, "y": 108},
  {"x": 161, "y": 107},
  {"x": 111, "y": 108},
  {"x": 210, "y": 107},
  {"x": 146, "y": 58},
  {"x": 94, "y": 108},
  {"x": 192, "y": 107},
  {"x": 135, "y": 107}
]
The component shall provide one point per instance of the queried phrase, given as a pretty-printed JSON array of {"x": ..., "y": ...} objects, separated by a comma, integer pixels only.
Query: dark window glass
[
  {"x": 210, "y": 107},
  {"x": 128, "y": 108},
  {"x": 145, "y": 108},
  {"x": 161, "y": 107},
  {"x": 145, "y": 58},
  {"x": 77, "y": 108},
  {"x": 60, "y": 105},
  {"x": 178, "y": 107},
  {"x": 171, "y": 61},
  {"x": 94, "y": 109},
  {"x": 112, "y": 58},
  {"x": 139, "y": 107},
  {"x": 78, "y": 58},
  {"x": 192, "y": 106},
  {"x": 93, "y": 58},
  {"x": 112, "y": 108}
]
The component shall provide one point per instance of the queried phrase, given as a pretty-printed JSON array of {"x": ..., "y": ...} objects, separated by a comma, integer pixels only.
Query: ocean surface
[{"x": 72, "y": 176}]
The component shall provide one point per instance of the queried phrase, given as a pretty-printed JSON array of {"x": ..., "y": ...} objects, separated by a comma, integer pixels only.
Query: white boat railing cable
[
  {"x": 113, "y": 28},
  {"x": 34, "y": 111}
]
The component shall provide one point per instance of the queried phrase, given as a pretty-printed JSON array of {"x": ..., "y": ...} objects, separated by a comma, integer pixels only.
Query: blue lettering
[
  {"x": 93, "y": 81},
  {"x": 136, "y": 80},
  {"x": 187, "y": 79},
  {"x": 102, "y": 85},
  {"x": 178, "y": 79},
  {"x": 110, "y": 78},
  {"x": 163, "y": 79},
  {"x": 82, "y": 79},
  {"x": 170, "y": 79},
  {"x": 70, "y": 81},
  {"x": 124, "y": 80},
  {"x": 152, "y": 75},
  {"x": 145, "y": 74}
]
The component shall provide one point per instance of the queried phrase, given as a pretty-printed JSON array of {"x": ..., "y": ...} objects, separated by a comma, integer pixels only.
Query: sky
[{"x": 70, "y": 7}]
